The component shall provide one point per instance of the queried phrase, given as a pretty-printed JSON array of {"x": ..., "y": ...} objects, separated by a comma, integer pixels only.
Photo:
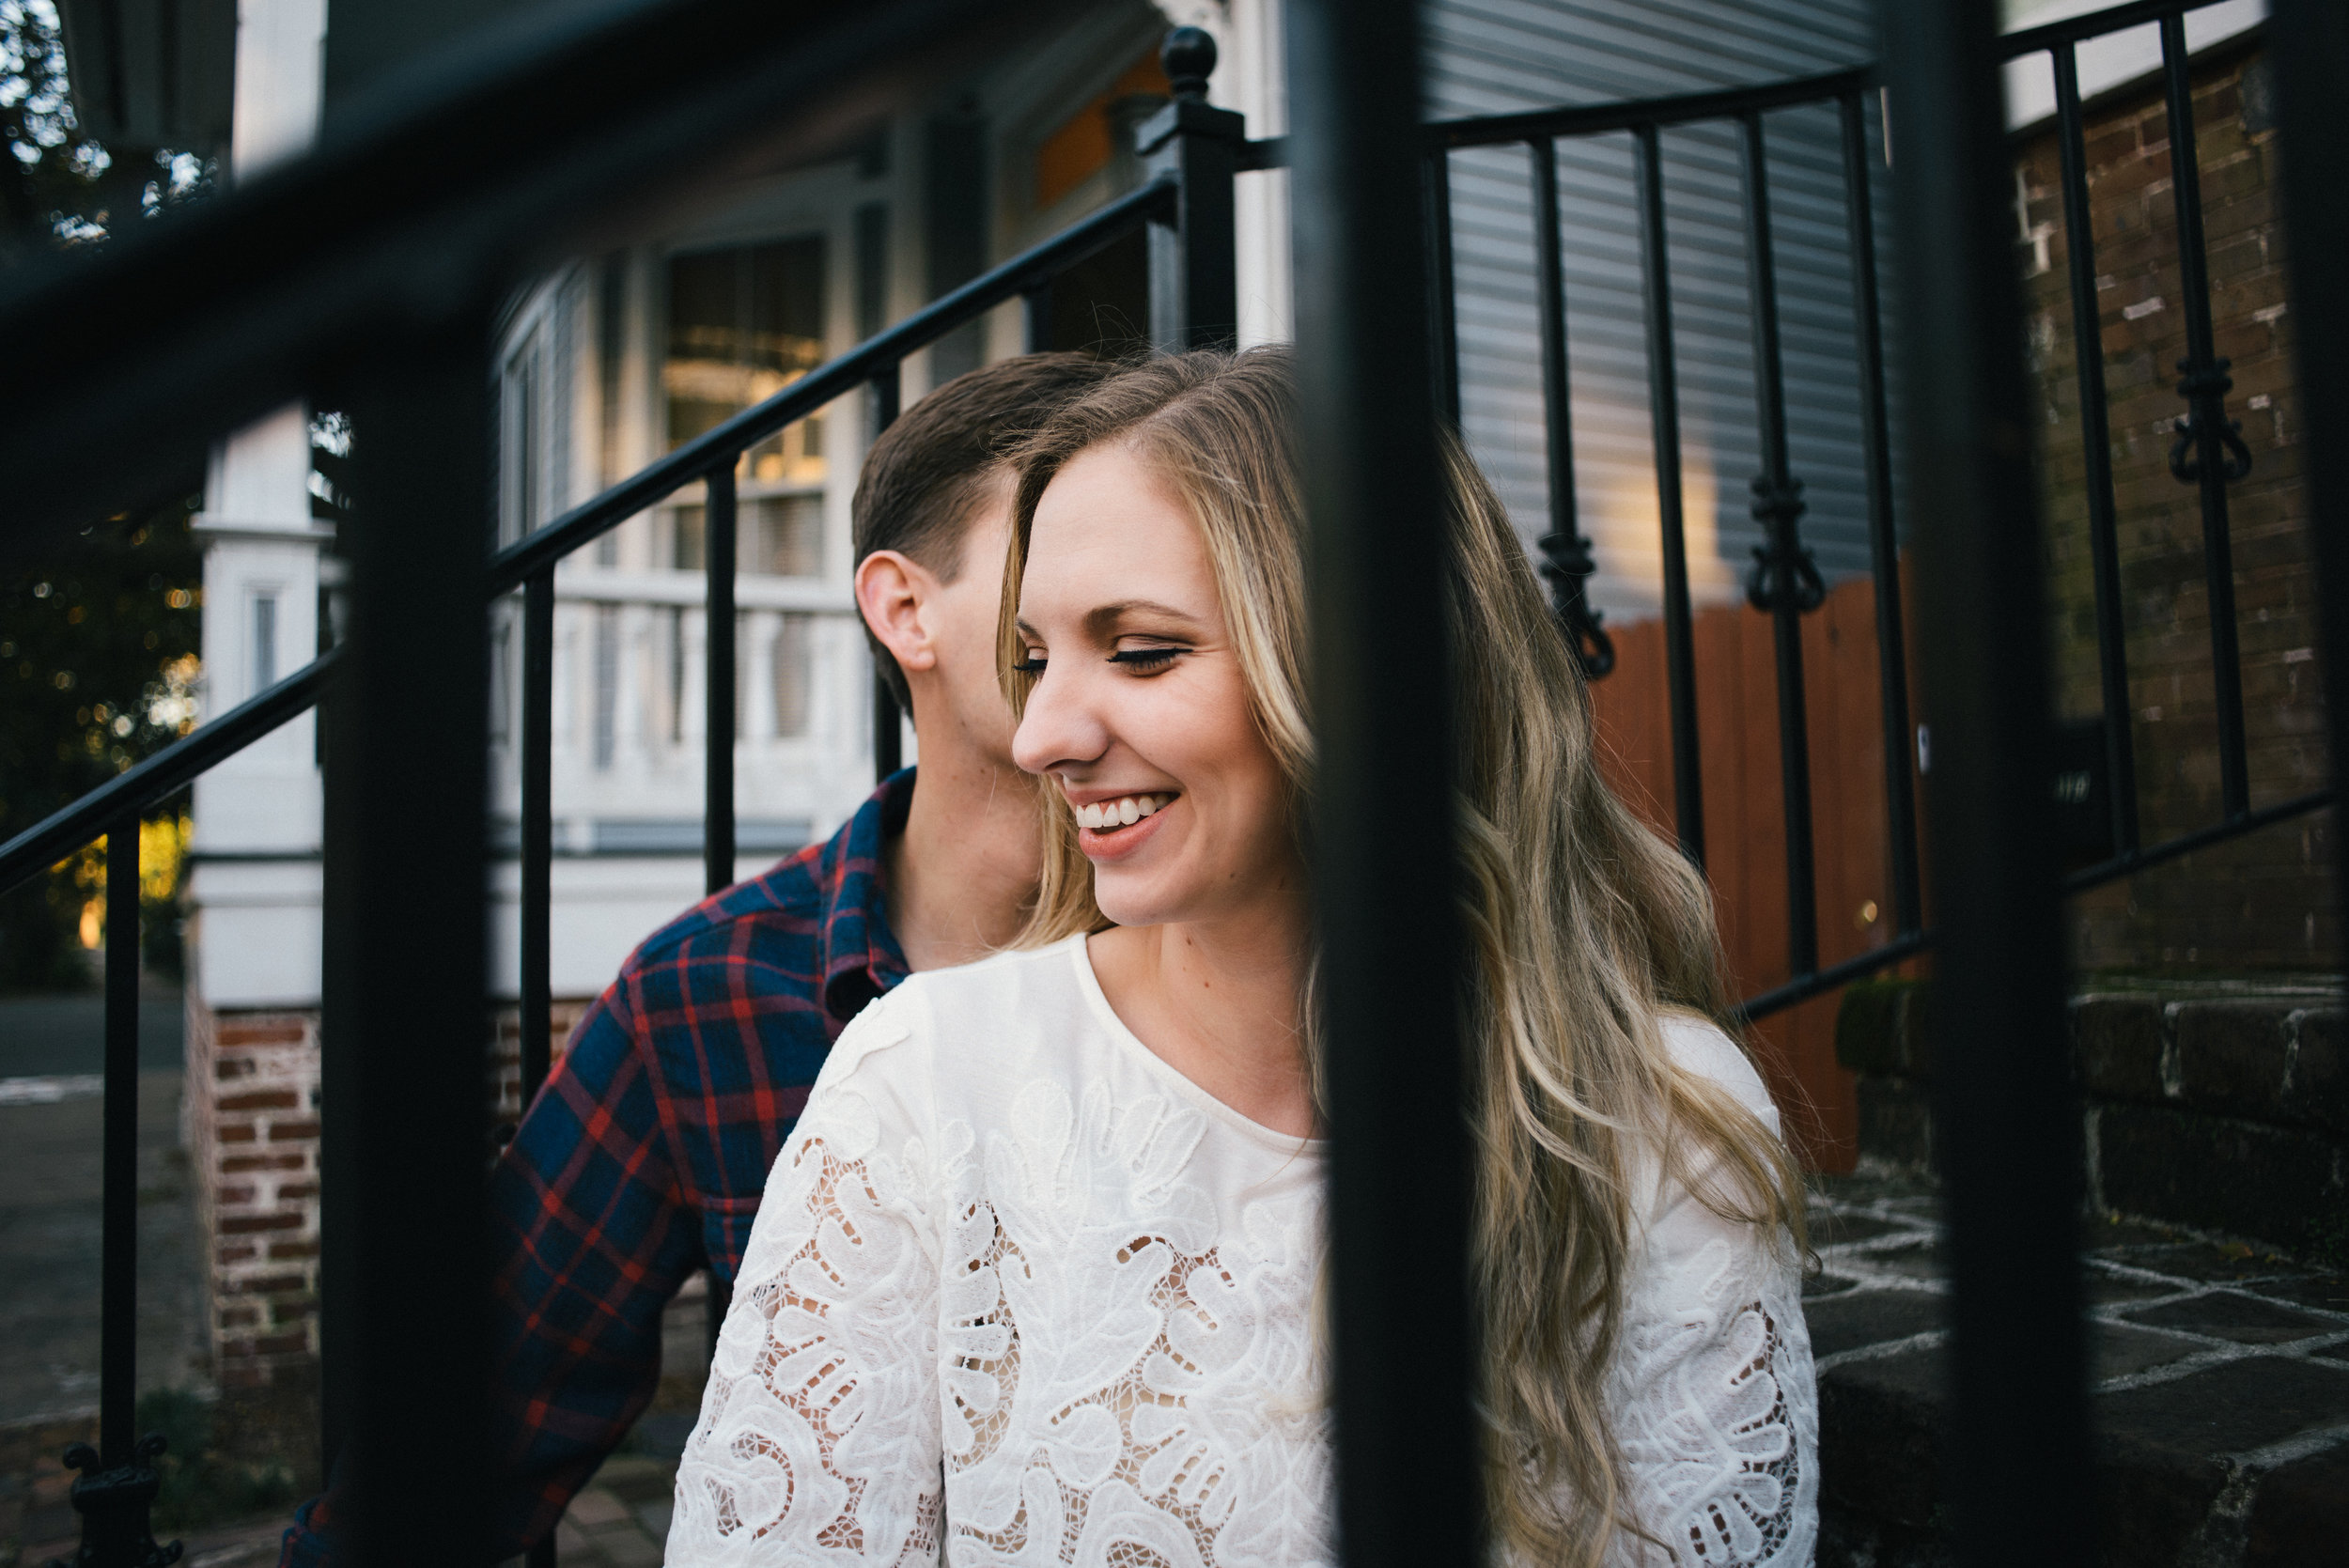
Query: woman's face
[{"x": 1139, "y": 714}]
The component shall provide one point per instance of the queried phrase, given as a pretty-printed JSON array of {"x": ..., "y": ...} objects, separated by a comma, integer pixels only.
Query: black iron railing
[
  {"x": 392, "y": 720},
  {"x": 1783, "y": 582}
]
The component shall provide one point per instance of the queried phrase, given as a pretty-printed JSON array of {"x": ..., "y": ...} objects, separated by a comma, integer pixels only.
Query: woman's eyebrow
[{"x": 1104, "y": 620}]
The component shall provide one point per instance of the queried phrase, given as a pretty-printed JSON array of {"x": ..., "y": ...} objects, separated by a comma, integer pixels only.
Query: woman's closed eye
[{"x": 1147, "y": 661}]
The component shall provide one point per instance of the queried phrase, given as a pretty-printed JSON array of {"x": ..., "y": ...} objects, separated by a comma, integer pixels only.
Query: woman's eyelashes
[
  {"x": 1031, "y": 662},
  {"x": 1146, "y": 662}
]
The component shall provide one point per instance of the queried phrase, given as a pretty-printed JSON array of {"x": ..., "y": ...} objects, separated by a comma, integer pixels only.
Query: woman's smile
[{"x": 1114, "y": 828}]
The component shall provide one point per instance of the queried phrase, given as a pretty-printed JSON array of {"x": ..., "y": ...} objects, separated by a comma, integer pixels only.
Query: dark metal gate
[{"x": 387, "y": 298}]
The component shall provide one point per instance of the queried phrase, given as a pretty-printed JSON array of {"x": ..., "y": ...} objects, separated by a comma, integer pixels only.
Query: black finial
[{"x": 1188, "y": 57}]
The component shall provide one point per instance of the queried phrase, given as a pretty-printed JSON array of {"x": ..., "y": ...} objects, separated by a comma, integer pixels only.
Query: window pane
[
  {"x": 792, "y": 674},
  {"x": 264, "y": 641},
  {"x": 743, "y": 324}
]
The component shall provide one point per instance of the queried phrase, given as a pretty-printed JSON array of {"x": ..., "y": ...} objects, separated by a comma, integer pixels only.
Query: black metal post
[
  {"x": 1884, "y": 548},
  {"x": 1409, "y": 1471},
  {"x": 2019, "y": 1486},
  {"x": 117, "y": 1354},
  {"x": 1565, "y": 554},
  {"x": 1194, "y": 278},
  {"x": 1785, "y": 581},
  {"x": 1035, "y": 307},
  {"x": 718, "y": 747},
  {"x": 119, "y": 1481},
  {"x": 536, "y": 1009},
  {"x": 1442, "y": 299},
  {"x": 2311, "y": 56},
  {"x": 2209, "y": 453},
  {"x": 408, "y": 1004},
  {"x": 718, "y": 541},
  {"x": 2103, "y": 544},
  {"x": 1663, "y": 381},
  {"x": 535, "y": 1004},
  {"x": 888, "y": 723}
]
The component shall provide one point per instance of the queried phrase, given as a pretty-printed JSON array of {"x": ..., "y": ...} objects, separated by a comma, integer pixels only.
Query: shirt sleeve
[
  {"x": 1713, "y": 1396},
  {"x": 819, "y": 1440},
  {"x": 594, "y": 1234}
]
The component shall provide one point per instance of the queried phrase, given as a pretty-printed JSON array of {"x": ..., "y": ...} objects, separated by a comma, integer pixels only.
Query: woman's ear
[{"x": 892, "y": 591}]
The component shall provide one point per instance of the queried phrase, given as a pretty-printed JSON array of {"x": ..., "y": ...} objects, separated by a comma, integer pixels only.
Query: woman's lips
[{"x": 1116, "y": 844}]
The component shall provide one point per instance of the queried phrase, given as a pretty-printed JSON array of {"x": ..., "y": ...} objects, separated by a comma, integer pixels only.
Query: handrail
[
  {"x": 511, "y": 567},
  {"x": 69, "y": 828},
  {"x": 1595, "y": 118},
  {"x": 2075, "y": 29}
]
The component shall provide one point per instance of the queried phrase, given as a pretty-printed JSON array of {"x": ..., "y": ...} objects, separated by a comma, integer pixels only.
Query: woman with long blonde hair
[{"x": 1034, "y": 1281}]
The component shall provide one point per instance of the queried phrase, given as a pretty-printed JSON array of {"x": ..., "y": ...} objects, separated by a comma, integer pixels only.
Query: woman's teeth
[{"x": 1121, "y": 813}]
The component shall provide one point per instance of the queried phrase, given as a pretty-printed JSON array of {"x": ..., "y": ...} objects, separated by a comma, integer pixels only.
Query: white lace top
[{"x": 1021, "y": 1293}]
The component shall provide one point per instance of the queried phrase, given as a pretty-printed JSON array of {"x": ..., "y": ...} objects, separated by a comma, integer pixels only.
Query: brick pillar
[
  {"x": 250, "y": 1125},
  {"x": 253, "y": 1144}
]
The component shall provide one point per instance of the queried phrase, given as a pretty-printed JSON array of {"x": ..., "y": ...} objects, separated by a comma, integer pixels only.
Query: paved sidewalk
[{"x": 2222, "y": 1377}]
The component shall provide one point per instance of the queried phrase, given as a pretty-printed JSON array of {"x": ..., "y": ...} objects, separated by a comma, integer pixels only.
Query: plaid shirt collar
[{"x": 859, "y": 953}]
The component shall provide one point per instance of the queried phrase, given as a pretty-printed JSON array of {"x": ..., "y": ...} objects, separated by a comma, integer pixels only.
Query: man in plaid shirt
[{"x": 644, "y": 1158}]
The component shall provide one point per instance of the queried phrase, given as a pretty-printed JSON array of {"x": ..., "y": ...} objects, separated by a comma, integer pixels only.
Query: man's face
[{"x": 964, "y": 633}]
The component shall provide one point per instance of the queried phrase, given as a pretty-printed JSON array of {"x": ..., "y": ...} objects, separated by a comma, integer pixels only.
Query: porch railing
[{"x": 387, "y": 714}]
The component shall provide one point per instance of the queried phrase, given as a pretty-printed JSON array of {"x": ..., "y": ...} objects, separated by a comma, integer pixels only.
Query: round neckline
[{"x": 1253, "y": 1130}]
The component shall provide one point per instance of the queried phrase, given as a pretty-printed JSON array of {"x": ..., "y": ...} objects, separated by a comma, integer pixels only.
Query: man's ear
[{"x": 893, "y": 592}]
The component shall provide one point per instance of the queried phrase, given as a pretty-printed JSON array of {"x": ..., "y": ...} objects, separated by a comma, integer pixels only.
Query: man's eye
[{"x": 1147, "y": 660}]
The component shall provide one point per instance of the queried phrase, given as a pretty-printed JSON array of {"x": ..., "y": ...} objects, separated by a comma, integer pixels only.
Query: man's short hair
[{"x": 927, "y": 471}]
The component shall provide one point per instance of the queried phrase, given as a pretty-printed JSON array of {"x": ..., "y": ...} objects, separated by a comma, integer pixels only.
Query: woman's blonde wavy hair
[{"x": 1585, "y": 927}]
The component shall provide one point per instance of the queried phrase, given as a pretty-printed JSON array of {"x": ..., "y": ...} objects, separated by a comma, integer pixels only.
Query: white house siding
[{"x": 1498, "y": 56}]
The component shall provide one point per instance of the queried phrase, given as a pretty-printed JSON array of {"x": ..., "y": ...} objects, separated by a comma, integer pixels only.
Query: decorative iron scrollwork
[
  {"x": 1567, "y": 567},
  {"x": 2205, "y": 393},
  {"x": 1783, "y": 570},
  {"x": 113, "y": 1506}
]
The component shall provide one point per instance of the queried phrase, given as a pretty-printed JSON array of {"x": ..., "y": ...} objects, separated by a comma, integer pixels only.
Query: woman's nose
[{"x": 1058, "y": 728}]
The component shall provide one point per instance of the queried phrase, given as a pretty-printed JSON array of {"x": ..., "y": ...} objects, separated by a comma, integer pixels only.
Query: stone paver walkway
[{"x": 2222, "y": 1377}]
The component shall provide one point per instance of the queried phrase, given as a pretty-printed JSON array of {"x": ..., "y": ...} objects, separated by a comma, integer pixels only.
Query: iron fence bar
[
  {"x": 1565, "y": 554},
  {"x": 1663, "y": 379},
  {"x": 408, "y": 1002},
  {"x": 1194, "y": 276},
  {"x": 1802, "y": 987},
  {"x": 118, "y": 1483},
  {"x": 718, "y": 729},
  {"x": 1408, "y": 1465},
  {"x": 1443, "y": 314},
  {"x": 2311, "y": 56},
  {"x": 2079, "y": 29},
  {"x": 2219, "y": 455},
  {"x": 117, "y": 1352},
  {"x": 2017, "y": 1481},
  {"x": 1646, "y": 114},
  {"x": 663, "y": 477},
  {"x": 67, "y": 829},
  {"x": 1785, "y": 582},
  {"x": 536, "y": 1010},
  {"x": 1884, "y": 548},
  {"x": 718, "y": 684},
  {"x": 888, "y": 723},
  {"x": 1036, "y": 323},
  {"x": 2112, "y": 655}
]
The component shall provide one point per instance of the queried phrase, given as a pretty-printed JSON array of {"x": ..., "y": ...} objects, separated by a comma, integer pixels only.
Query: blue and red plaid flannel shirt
[{"x": 644, "y": 1158}]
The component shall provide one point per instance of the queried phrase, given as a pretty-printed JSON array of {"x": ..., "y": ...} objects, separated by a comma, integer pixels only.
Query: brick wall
[
  {"x": 251, "y": 1127},
  {"x": 2266, "y": 902}
]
